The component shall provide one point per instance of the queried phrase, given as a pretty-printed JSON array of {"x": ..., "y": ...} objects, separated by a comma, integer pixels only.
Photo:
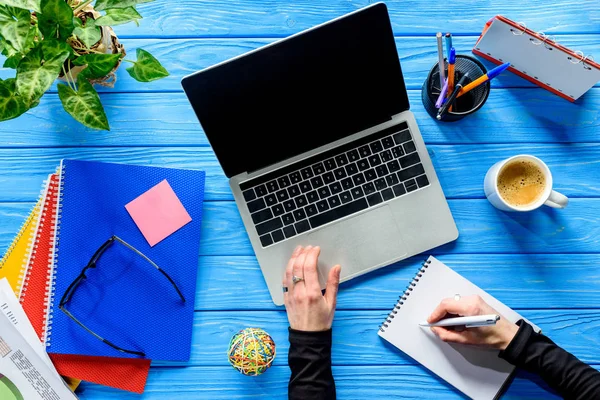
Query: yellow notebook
[{"x": 14, "y": 263}]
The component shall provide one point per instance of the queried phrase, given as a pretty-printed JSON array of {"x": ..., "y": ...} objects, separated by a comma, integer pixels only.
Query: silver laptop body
[{"x": 388, "y": 230}]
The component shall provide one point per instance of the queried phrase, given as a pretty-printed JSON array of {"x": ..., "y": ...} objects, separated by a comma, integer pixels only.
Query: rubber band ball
[{"x": 251, "y": 351}]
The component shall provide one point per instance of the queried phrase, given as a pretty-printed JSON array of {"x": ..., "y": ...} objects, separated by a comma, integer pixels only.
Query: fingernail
[{"x": 297, "y": 249}]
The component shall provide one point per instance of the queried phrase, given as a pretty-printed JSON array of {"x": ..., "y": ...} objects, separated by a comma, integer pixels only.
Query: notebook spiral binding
[
  {"x": 548, "y": 41},
  {"x": 46, "y": 212},
  {"x": 404, "y": 296},
  {"x": 26, "y": 227},
  {"x": 47, "y": 187},
  {"x": 54, "y": 259}
]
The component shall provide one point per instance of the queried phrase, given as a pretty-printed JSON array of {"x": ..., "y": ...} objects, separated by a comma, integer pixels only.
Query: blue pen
[
  {"x": 484, "y": 78},
  {"x": 448, "y": 43}
]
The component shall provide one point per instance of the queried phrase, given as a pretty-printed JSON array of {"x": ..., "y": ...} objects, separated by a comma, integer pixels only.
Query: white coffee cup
[{"x": 549, "y": 197}]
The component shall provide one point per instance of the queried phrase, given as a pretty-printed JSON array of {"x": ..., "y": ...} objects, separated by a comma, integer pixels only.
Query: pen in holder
[{"x": 465, "y": 104}]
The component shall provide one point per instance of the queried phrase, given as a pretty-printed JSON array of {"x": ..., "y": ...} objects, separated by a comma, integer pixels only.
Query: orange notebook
[
  {"x": 538, "y": 58},
  {"x": 122, "y": 373}
]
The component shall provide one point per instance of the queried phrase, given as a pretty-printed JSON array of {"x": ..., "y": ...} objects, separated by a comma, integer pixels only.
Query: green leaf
[
  {"x": 14, "y": 26},
  {"x": 89, "y": 33},
  {"x": 39, "y": 68},
  {"x": 118, "y": 16},
  {"x": 11, "y": 104},
  {"x": 106, "y": 4},
  {"x": 84, "y": 105},
  {"x": 13, "y": 61},
  {"x": 56, "y": 19},
  {"x": 146, "y": 68},
  {"x": 13, "y": 57},
  {"x": 98, "y": 65},
  {"x": 7, "y": 49},
  {"x": 24, "y": 4}
]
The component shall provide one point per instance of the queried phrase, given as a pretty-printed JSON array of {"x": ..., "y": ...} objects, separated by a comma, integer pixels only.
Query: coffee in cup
[{"x": 521, "y": 183}]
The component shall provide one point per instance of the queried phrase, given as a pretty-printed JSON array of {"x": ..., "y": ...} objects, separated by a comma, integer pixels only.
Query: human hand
[
  {"x": 494, "y": 336},
  {"x": 308, "y": 309}
]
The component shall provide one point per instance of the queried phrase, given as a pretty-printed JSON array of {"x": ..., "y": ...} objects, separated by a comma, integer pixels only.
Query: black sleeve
[
  {"x": 561, "y": 370},
  {"x": 310, "y": 361}
]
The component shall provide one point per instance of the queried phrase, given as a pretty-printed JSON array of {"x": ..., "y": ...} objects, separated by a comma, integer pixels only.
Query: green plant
[{"x": 70, "y": 40}]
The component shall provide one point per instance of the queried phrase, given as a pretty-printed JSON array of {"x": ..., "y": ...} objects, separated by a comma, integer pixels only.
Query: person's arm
[
  {"x": 310, "y": 314},
  {"x": 561, "y": 370},
  {"x": 522, "y": 347},
  {"x": 310, "y": 361}
]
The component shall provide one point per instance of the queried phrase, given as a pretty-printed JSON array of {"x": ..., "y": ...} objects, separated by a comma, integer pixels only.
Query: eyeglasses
[{"x": 81, "y": 277}]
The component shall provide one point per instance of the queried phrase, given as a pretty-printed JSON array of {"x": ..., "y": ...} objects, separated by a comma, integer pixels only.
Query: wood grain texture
[
  {"x": 460, "y": 168},
  {"x": 543, "y": 263},
  {"x": 167, "y": 119},
  {"x": 282, "y": 18},
  {"x": 483, "y": 229},
  {"x": 352, "y": 383},
  {"x": 518, "y": 280},
  {"x": 355, "y": 339},
  {"x": 182, "y": 57}
]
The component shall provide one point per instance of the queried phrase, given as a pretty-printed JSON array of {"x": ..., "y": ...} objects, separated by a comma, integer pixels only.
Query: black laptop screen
[{"x": 300, "y": 93}]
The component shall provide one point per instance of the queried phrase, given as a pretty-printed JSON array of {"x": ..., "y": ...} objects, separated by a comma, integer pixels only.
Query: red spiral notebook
[
  {"x": 538, "y": 58},
  {"x": 122, "y": 373}
]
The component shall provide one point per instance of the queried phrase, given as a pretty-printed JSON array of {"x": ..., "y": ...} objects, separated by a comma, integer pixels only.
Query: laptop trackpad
[{"x": 359, "y": 243}]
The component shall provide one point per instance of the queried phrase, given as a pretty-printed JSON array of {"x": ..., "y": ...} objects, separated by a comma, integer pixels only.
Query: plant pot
[{"x": 108, "y": 44}]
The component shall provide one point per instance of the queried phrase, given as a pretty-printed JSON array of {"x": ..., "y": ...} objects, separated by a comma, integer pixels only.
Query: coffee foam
[{"x": 521, "y": 183}]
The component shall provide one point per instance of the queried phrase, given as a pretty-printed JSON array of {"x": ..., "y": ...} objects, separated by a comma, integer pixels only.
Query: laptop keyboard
[{"x": 332, "y": 185}]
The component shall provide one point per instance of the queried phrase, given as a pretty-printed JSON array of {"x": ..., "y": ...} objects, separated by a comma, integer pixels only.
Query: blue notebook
[{"x": 124, "y": 299}]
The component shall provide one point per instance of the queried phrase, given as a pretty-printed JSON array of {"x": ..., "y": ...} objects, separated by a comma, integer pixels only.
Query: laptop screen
[{"x": 300, "y": 93}]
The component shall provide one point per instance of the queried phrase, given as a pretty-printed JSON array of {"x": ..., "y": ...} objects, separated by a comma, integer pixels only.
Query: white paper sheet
[{"x": 24, "y": 364}]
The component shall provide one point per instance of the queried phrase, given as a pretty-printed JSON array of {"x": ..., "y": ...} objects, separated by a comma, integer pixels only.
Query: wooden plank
[
  {"x": 355, "y": 339},
  {"x": 518, "y": 280},
  {"x": 482, "y": 228},
  {"x": 184, "y": 56},
  {"x": 461, "y": 168},
  {"x": 282, "y": 18},
  {"x": 364, "y": 382},
  {"x": 167, "y": 119},
  {"x": 574, "y": 230}
]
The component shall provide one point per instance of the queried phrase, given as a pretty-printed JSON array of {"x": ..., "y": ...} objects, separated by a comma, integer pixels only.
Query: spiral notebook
[
  {"x": 538, "y": 58},
  {"x": 124, "y": 299},
  {"x": 478, "y": 373},
  {"x": 13, "y": 265},
  {"x": 122, "y": 373}
]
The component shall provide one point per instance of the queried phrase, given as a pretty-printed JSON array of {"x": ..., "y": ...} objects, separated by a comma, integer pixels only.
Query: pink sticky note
[{"x": 158, "y": 213}]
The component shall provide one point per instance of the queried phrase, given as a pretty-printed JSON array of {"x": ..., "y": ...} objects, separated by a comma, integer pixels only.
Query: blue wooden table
[{"x": 545, "y": 264}]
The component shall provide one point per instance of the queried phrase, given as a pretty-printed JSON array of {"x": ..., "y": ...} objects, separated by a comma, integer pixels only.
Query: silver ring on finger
[{"x": 297, "y": 279}]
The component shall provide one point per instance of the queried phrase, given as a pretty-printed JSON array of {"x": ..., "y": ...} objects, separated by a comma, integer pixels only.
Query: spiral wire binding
[
  {"x": 46, "y": 212},
  {"x": 32, "y": 244},
  {"x": 26, "y": 227},
  {"x": 548, "y": 41},
  {"x": 404, "y": 296},
  {"x": 13, "y": 244},
  {"x": 51, "y": 287}
]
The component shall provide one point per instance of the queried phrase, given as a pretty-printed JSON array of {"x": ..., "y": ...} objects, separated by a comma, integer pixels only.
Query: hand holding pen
[{"x": 496, "y": 336}]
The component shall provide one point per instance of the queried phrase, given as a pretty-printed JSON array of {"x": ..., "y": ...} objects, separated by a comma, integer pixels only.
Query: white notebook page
[
  {"x": 533, "y": 58},
  {"x": 477, "y": 372}
]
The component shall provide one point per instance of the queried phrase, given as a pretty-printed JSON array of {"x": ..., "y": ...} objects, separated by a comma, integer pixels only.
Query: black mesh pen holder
[{"x": 467, "y": 103}]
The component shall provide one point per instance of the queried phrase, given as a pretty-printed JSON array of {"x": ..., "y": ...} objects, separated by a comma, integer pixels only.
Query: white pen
[
  {"x": 441, "y": 63},
  {"x": 468, "y": 322}
]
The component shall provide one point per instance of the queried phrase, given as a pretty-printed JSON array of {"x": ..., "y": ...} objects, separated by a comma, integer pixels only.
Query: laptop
[{"x": 315, "y": 135}]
